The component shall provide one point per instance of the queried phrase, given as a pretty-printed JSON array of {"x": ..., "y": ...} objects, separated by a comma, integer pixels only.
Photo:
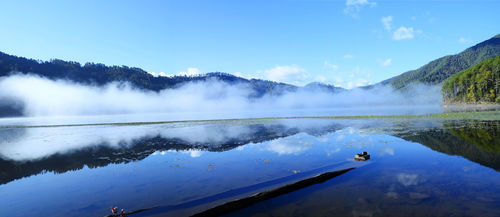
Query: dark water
[{"x": 417, "y": 168}]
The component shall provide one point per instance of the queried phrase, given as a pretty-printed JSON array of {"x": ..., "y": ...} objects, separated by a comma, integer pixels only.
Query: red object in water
[
  {"x": 114, "y": 210},
  {"x": 122, "y": 212}
]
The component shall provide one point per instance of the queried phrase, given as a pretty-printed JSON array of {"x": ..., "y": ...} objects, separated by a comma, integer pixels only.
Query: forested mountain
[
  {"x": 100, "y": 74},
  {"x": 440, "y": 69},
  {"x": 478, "y": 84}
]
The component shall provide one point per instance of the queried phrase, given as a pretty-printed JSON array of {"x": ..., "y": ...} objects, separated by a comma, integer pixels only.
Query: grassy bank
[{"x": 481, "y": 115}]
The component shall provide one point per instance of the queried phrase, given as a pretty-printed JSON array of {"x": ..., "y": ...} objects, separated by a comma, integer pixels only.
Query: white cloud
[
  {"x": 463, "y": 40},
  {"x": 354, "y": 6},
  {"x": 386, "y": 62},
  {"x": 403, "y": 33},
  {"x": 339, "y": 80},
  {"x": 156, "y": 74},
  {"x": 359, "y": 2},
  {"x": 348, "y": 56},
  {"x": 387, "y": 21},
  {"x": 331, "y": 66},
  {"x": 288, "y": 74},
  {"x": 239, "y": 74},
  {"x": 358, "y": 83},
  {"x": 356, "y": 70},
  {"x": 190, "y": 72},
  {"x": 321, "y": 79},
  {"x": 355, "y": 78}
]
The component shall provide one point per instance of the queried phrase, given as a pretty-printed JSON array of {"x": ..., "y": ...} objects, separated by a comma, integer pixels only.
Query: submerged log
[{"x": 259, "y": 197}]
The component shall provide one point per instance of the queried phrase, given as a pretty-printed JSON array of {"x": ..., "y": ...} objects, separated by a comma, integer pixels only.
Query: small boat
[{"x": 362, "y": 156}]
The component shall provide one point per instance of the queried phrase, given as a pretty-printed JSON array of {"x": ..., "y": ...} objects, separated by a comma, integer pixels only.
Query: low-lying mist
[{"x": 43, "y": 97}]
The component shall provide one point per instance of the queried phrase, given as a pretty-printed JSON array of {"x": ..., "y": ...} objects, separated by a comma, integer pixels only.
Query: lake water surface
[{"x": 418, "y": 167}]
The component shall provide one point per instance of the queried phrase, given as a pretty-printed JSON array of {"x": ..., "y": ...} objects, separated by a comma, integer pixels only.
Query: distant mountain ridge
[
  {"x": 437, "y": 71},
  {"x": 100, "y": 74}
]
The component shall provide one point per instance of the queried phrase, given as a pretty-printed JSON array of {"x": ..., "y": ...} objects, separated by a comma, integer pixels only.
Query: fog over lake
[{"x": 210, "y": 99}]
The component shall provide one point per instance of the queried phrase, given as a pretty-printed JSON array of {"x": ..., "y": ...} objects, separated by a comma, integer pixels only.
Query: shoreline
[{"x": 453, "y": 115}]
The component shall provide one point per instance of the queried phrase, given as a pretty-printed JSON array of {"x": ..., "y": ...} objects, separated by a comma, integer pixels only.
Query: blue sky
[{"x": 346, "y": 43}]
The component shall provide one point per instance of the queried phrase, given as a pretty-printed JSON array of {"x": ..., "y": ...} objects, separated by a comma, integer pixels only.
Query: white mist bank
[{"x": 44, "y": 97}]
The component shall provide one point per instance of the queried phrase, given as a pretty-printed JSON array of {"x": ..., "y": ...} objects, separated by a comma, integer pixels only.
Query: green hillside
[
  {"x": 440, "y": 69},
  {"x": 478, "y": 84}
]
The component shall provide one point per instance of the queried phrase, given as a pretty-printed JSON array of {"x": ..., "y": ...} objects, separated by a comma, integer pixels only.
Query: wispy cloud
[
  {"x": 289, "y": 74},
  {"x": 463, "y": 40},
  {"x": 191, "y": 71},
  {"x": 359, "y": 3},
  {"x": 348, "y": 56},
  {"x": 354, "y": 6},
  {"x": 387, "y": 22},
  {"x": 403, "y": 33},
  {"x": 386, "y": 62},
  {"x": 156, "y": 74},
  {"x": 326, "y": 64},
  {"x": 358, "y": 83}
]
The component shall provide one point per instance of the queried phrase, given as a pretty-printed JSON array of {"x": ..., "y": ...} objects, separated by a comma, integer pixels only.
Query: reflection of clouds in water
[
  {"x": 408, "y": 179},
  {"x": 331, "y": 152},
  {"x": 191, "y": 152},
  {"x": 306, "y": 124},
  {"x": 299, "y": 143},
  {"x": 206, "y": 133},
  {"x": 351, "y": 130},
  {"x": 467, "y": 168},
  {"x": 159, "y": 153},
  {"x": 42, "y": 142},
  {"x": 353, "y": 137},
  {"x": 288, "y": 146},
  {"x": 392, "y": 195},
  {"x": 195, "y": 153},
  {"x": 363, "y": 213},
  {"x": 322, "y": 139},
  {"x": 388, "y": 150},
  {"x": 339, "y": 137},
  {"x": 36, "y": 143}
]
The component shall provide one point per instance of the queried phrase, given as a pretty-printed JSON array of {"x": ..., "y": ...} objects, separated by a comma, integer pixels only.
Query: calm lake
[{"x": 418, "y": 166}]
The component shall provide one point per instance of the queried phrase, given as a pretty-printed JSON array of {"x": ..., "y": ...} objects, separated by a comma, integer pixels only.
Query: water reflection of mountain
[
  {"x": 100, "y": 155},
  {"x": 475, "y": 140}
]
